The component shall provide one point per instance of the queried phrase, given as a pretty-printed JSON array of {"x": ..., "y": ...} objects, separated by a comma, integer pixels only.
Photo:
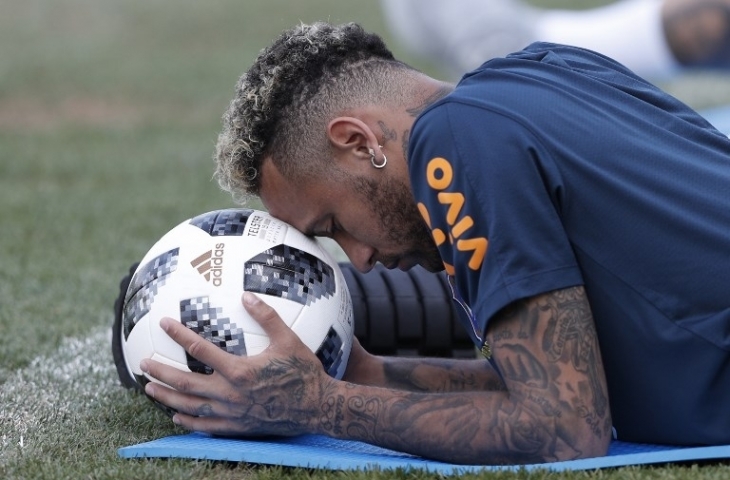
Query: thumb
[
  {"x": 264, "y": 314},
  {"x": 250, "y": 300}
]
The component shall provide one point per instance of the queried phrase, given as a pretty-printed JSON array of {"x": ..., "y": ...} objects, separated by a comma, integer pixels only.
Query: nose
[{"x": 360, "y": 254}]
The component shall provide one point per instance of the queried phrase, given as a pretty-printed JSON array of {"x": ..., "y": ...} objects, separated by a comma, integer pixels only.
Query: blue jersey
[{"x": 556, "y": 167}]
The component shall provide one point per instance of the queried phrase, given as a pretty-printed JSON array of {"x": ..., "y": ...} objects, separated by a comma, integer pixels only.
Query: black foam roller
[
  {"x": 439, "y": 317},
  {"x": 381, "y": 318},
  {"x": 407, "y": 304},
  {"x": 414, "y": 313}
]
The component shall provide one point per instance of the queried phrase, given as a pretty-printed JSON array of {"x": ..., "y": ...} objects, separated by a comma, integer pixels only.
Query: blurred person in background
[{"x": 655, "y": 38}]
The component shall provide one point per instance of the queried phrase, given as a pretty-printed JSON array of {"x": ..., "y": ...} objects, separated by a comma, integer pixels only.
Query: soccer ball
[{"x": 197, "y": 272}]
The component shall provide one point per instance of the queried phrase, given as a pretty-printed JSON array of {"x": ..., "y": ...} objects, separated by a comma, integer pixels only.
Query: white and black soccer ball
[{"x": 197, "y": 272}]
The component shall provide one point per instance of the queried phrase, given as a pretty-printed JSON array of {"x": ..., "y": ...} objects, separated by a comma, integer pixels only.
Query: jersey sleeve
[{"x": 492, "y": 198}]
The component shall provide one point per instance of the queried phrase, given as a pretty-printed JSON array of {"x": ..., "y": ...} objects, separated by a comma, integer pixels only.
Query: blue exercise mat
[{"x": 316, "y": 451}]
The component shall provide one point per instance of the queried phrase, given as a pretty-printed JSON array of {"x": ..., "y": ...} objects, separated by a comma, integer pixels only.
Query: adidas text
[{"x": 210, "y": 265}]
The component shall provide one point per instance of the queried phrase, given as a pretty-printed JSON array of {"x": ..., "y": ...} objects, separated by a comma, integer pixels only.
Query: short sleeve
[{"x": 492, "y": 198}]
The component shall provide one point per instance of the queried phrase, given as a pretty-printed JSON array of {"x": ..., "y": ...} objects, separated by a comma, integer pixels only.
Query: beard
[{"x": 400, "y": 221}]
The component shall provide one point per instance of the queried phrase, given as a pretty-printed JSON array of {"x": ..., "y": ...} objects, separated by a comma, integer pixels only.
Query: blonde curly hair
[{"x": 284, "y": 101}]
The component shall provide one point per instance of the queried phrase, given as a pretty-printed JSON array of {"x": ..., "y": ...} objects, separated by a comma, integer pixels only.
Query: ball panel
[
  {"x": 207, "y": 321},
  {"x": 144, "y": 286},
  {"x": 331, "y": 340},
  {"x": 291, "y": 273},
  {"x": 266, "y": 229},
  {"x": 330, "y": 352},
  {"x": 231, "y": 222}
]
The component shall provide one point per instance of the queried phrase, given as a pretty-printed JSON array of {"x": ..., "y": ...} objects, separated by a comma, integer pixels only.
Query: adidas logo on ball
[{"x": 210, "y": 264}]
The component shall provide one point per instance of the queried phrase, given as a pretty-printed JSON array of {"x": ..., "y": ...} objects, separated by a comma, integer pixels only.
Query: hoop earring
[{"x": 372, "y": 159}]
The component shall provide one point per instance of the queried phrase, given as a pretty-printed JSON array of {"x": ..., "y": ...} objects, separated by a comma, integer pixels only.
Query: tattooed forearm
[
  {"x": 550, "y": 404},
  {"x": 461, "y": 428},
  {"x": 436, "y": 375}
]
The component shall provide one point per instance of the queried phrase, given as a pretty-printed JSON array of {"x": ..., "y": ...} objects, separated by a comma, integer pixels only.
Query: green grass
[{"x": 108, "y": 115}]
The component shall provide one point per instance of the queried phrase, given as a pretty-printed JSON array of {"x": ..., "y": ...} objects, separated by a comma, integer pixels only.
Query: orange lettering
[
  {"x": 424, "y": 213},
  {"x": 464, "y": 224},
  {"x": 449, "y": 269},
  {"x": 438, "y": 236},
  {"x": 455, "y": 201},
  {"x": 439, "y": 173},
  {"x": 479, "y": 248}
]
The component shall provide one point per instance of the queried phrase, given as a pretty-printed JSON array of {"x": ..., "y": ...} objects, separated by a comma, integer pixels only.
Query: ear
[{"x": 351, "y": 137}]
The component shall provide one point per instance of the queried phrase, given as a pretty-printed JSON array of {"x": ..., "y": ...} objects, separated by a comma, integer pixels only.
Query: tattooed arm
[
  {"x": 419, "y": 374},
  {"x": 554, "y": 405}
]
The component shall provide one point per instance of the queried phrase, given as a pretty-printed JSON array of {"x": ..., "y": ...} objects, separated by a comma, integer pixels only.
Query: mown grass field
[{"x": 109, "y": 112}]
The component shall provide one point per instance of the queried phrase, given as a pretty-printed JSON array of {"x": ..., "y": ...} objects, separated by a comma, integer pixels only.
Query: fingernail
[
  {"x": 175, "y": 420},
  {"x": 165, "y": 323},
  {"x": 144, "y": 366},
  {"x": 149, "y": 389},
  {"x": 250, "y": 299}
]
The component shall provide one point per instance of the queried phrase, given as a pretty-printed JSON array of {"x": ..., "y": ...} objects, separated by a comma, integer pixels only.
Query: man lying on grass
[{"x": 583, "y": 218}]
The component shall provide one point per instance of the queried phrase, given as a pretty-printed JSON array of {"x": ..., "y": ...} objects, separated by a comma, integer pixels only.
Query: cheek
[
  {"x": 380, "y": 216},
  {"x": 362, "y": 231}
]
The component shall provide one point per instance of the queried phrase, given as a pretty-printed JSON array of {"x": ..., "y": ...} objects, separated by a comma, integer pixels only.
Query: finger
[
  {"x": 178, "y": 380},
  {"x": 266, "y": 316},
  {"x": 198, "y": 347},
  {"x": 212, "y": 425},
  {"x": 188, "y": 404},
  {"x": 233, "y": 426}
]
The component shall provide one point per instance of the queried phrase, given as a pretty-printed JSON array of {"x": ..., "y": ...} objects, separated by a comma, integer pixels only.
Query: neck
[
  {"x": 434, "y": 90},
  {"x": 430, "y": 92}
]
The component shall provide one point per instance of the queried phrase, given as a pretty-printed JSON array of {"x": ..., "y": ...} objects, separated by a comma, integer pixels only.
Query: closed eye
[{"x": 332, "y": 228}]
